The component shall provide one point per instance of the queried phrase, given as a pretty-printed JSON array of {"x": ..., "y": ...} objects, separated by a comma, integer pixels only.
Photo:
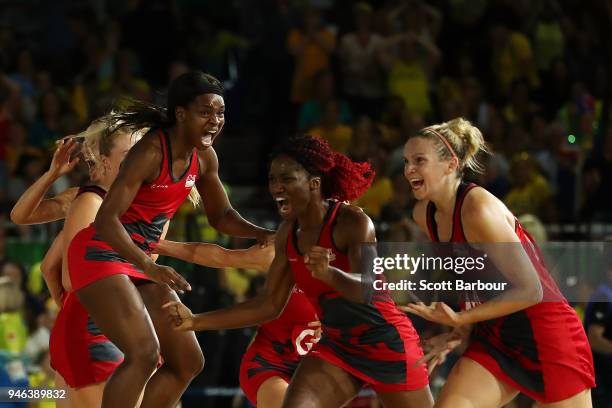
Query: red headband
[{"x": 443, "y": 139}]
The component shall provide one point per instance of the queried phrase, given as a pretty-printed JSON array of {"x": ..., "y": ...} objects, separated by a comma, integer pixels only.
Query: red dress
[
  {"x": 78, "y": 350},
  {"x": 374, "y": 342},
  {"x": 278, "y": 346},
  {"x": 91, "y": 259},
  {"x": 542, "y": 350}
]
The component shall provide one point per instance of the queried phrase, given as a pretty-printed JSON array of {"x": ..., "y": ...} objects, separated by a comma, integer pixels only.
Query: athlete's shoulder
[
  {"x": 149, "y": 144},
  {"x": 352, "y": 213},
  {"x": 478, "y": 201},
  {"x": 208, "y": 160},
  {"x": 353, "y": 222}
]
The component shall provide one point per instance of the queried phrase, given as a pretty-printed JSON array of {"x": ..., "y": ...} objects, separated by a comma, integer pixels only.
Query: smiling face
[
  {"x": 423, "y": 167},
  {"x": 291, "y": 186},
  {"x": 202, "y": 120}
]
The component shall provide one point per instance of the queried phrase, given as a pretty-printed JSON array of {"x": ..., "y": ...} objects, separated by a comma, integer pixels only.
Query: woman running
[
  {"x": 528, "y": 339},
  {"x": 110, "y": 266},
  {"x": 365, "y": 340},
  {"x": 274, "y": 353}
]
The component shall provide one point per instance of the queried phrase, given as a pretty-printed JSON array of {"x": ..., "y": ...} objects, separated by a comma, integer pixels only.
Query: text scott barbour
[{"x": 423, "y": 284}]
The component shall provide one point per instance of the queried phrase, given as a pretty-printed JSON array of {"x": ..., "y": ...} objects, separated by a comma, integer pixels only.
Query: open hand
[
  {"x": 63, "y": 161},
  {"x": 261, "y": 256},
  {"x": 265, "y": 237},
  {"x": 437, "y": 348},
  {"x": 167, "y": 276},
  {"x": 180, "y": 316}
]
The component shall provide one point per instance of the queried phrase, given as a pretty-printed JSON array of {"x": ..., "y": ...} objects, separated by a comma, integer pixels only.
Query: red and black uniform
[
  {"x": 278, "y": 346},
  {"x": 78, "y": 350},
  {"x": 91, "y": 259},
  {"x": 374, "y": 342},
  {"x": 542, "y": 350}
]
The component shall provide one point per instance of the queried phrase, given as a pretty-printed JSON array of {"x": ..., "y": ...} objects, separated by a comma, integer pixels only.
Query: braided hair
[{"x": 341, "y": 178}]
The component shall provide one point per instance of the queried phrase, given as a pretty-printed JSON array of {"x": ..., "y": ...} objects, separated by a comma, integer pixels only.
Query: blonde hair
[
  {"x": 194, "y": 197},
  {"x": 11, "y": 297},
  {"x": 457, "y": 138},
  {"x": 99, "y": 139}
]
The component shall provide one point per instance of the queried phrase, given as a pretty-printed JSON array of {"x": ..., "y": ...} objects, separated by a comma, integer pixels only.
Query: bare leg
[
  {"x": 319, "y": 384},
  {"x": 89, "y": 396},
  {"x": 60, "y": 384},
  {"x": 470, "y": 385},
  {"x": 409, "y": 399},
  {"x": 580, "y": 400},
  {"x": 271, "y": 392},
  {"x": 183, "y": 358},
  {"x": 117, "y": 309}
]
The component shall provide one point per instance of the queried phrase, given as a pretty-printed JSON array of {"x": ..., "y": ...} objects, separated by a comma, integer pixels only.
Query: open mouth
[
  {"x": 207, "y": 140},
  {"x": 283, "y": 205},
  {"x": 416, "y": 184}
]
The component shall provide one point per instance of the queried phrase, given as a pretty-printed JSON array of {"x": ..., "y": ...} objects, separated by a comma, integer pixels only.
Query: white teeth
[{"x": 279, "y": 199}]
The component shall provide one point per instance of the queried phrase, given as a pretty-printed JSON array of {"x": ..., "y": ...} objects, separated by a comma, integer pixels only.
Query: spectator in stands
[
  {"x": 597, "y": 182},
  {"x": 331, "y": 129},
  {"x": 530, "y": 192},
  {"x": 312, "y": 110},
  {"x": 46, "y": 129},
  {"x": 409, "y": 70},
  {"x": 598, "y": 325},
  {"x": 311, "y": 46},
  {"x": 363, "y": 81}
]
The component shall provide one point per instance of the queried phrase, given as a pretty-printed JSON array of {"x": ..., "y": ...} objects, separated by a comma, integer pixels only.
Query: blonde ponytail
[{"x": 457, "y": 138}]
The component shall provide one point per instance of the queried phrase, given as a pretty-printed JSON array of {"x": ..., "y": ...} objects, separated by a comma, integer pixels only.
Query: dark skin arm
[
  {"x": 142, "y": 164},
  {"x": 221, "y": 215},
  {"x": 264, "y": 307},
  {"x": 353, "y": 228}
]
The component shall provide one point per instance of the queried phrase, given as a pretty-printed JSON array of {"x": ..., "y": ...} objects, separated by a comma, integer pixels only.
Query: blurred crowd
[{"x": 531, "y": 75}]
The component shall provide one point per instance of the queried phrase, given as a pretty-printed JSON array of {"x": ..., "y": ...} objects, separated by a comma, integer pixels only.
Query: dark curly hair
[{"x": 341, "y": 178}]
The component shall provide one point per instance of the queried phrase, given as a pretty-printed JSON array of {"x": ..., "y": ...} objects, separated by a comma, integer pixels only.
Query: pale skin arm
[
  {"x": 353, "y": 229},
  {"x": 32, "y": 207},
  {"x": 215, "y": 256},
  {"x": 483, "y": 222},
  {"x": 263, "y": 307},
  {"x": 51, "y": 268},
  {"x": 81, "y": 214}
]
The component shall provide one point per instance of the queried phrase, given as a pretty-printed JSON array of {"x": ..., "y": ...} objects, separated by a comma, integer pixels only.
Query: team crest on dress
[{"x": 191, "y": 179}]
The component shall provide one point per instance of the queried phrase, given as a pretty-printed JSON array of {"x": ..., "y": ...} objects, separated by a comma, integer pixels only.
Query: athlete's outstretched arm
[
  {"x": 221, "y": 215},
  {"x": 31, "y": 208},
  {"x": 215, "y": 256},
  {"x": 141, "y": 164},
  {"x": 263, "y": 307},
  {"x": 353, "y": 229},
  {"x": 51, "y": 268}
]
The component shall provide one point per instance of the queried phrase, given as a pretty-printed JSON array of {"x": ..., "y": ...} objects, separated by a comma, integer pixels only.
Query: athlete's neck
[
  {"x": 180, "y": 146},
  {"x": 314, "y": 214},
  {"x": 444, "y": 198}
]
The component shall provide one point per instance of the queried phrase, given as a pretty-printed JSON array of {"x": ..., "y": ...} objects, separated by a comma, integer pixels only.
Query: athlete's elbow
[
  {"x": 535, "y": 293},
  {"x": 101, "y": 222},
  {"x": 17, "y": 217}
]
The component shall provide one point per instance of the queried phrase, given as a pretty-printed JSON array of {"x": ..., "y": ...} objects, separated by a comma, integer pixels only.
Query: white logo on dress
[
  {"x": 190, "y": 181},
  {"x": 159, "y": 186}
]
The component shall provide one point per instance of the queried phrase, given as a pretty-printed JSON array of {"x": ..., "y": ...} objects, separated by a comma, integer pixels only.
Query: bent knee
[
  {"x": 189, "y": 366},
  {"x": 146, "y": 355}
]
